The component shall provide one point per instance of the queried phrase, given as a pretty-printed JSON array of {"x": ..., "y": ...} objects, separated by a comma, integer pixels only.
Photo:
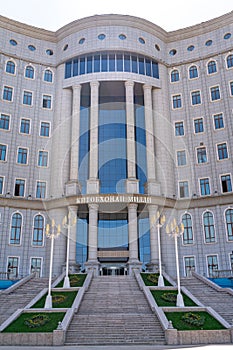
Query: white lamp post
[
  {"x": 160, "y": 222},
  {"x": 52, "y": 235},
  {"x": 68, "y": 224},
  {"x": 175, "y": 231}
]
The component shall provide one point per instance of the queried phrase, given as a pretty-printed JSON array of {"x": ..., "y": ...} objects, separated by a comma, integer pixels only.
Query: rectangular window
[
  {"x": 226, "y": 183},
  {"x": 198, "y": 125},
  {"x": 218, "y": 121},
  {"x": 3, "y": 149},
  {"x": 47, "y": 101},
  {"x": 205, "y": 186},
  {"x": 176, "y": 101},
  {"x": 27, "y": 98},
  {"x": 97, "y": 63},
  {"x": 104, "y": 63},
  {"x": 19, "y": 188},
  {"x": 179, "y": 128},
  {"x": 43, "y": 158},
  {"x": 4, "y": 122},
  {"x": 181, "y": 158},
  {"x": 184, "y": 189},
  {"x": 201, "y": 155},
  {"x": 13, "y": 267},
  {"x": 44, "y": 129},
  {"x": 189, "y": 263},
  {"x": 25, "y": 126},
  {"x": 231, "y": 88},
  {"x": 231, "y": 261},
  {"x": 36, "y": 266},
  {"x": 212, "y": 265},
  {"x": 196, "y": 97},
  {"x": 134, "y": 64},
  {"x": 89, "y": 64},
  {"x": 1, "y": 184},
  {"x": 222, "y": 151},
  {"x": 40, "y": 189},
  {"x": 22, "y": 157},
  {"x": 215, "y": 93},
  {"x": 8, "y": 93}
]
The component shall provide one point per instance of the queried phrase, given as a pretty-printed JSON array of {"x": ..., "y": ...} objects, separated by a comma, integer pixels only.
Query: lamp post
[
  {"x": 160, "y": 222},
  {"x": 52, "y": 235},
  {"x": 68, "y": 224},
  {"x": 176, "y": 231}
]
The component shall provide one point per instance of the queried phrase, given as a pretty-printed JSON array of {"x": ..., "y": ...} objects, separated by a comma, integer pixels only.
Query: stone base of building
[
  {"x": 73, "y": 188},
  {"x": 133, "y": 265},
  {"x": 73, "y": 267},
  {"x": 93, "y": 266}
]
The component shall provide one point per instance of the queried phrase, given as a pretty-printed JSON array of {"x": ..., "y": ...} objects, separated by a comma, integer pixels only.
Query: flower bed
[
  {"x": 168, "y": 298},
  {"x": 151, "y": 279}
]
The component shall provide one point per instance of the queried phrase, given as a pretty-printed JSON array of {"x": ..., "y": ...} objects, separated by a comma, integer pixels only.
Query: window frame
[
  {"x": 49, "y": 99},
  {"x": 9, "y": 122},
  {"x": 3, "y": 185},
  {"x": 198, "y": 98},
  {"x": 174, "y": 73},
  {"x": 13, "y": 65},
  {"x": 38, "y": 182},
  {"x": 194, "y": 125},
  {"x": 184, "y": 265},
  {"x": 230, "y": 55},
  {"x": 21, "y": 226},
  {"x": 207, "y": 265},
  {"x": 220, "y": 177},
  {"x": 178, "y": 152},
  {"x": 191, "y": 75},
  {"x": 11, "y": 93},
  {"x": 32, "y": 68},
  {"x": 213, "y": 225},
  {"x": 20, "y": 124},
  {"x": 27, "y": 98},
  {"x": 215, "y": 115},
  {"x": 219, "y": 92},
  {"x": 41, "y": 267},
  {"x": 231, "y": 88},
  {"x": 49, "y": 124},
  {"x": 180, "y": 104},
  {"x": 24, "y": 189},
  {"x": 6, "y": 153},
  {"x": 18, "y": 264},
  {"x": 45, "y": 75},
  {"x": 192, "y": 232},
  {"x": 183, "y": 181},
  {"x": 226, "y": 225},
  {"x": 23, "y": 155},
  {"x": 38, "y": 158},
  {"x": 176, "y": 122},
  {"x": 207, "y": 66},
  {"x": 197, "y": 158},
  {"x": 217, "y": 150},
  {"x": 200, "y": 187},
  {"x": 43, "y": 231}
]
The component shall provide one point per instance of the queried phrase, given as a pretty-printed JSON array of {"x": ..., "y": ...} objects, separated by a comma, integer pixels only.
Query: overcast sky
[{"x": 168, "y": 14}]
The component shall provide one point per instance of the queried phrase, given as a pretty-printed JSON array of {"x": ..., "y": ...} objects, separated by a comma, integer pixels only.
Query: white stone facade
[{"x": 175, "y": 137}]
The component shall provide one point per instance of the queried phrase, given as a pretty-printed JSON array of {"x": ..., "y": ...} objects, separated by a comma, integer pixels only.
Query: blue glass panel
[
  {"x": 97, "y": 63},
  {"x": 75, "y": 67},
  {"x": 140, "y": 136},
  {"x": 134, "y": 64},
  {"x": 82, "y": 65},
  {"x": 144, "y": 241},
  {"x": 89, "y": 64},
  {"x": 104, "y": 63},
  {"x": 68, "y": 67},
  {"x": 148, "y": 67},
  {"x": 111, "y": 63},
  {"x": 141, "y": 65},
  {"x": 127, "y": 63},
  {"x": 155, "y": 70},
  {"x": 119, "y": 58},
  {"x": 112, "y": 234},
  {"x": 82, "y": 242}
]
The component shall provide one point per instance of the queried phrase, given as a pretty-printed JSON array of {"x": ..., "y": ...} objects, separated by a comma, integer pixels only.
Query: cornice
[{"x": 116, "y": 20}]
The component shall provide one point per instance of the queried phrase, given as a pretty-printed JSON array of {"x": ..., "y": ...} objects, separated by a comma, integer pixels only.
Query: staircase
[
  {"x": 114, "y": 311},
  {"x": 220, "y": 301},
  {"x": 20, "y": 297}
]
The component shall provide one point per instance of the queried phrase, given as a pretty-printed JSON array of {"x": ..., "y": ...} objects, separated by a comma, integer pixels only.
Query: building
[{"x": 111, "y": 120}]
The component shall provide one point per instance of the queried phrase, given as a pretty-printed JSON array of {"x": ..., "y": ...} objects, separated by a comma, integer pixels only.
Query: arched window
[
  {"x": 229, "y": 223},
  {"x": 175, "y": 76},
  {"x": 48, "y": 75},
  {"x": 188, "y": 229},
  {"x": 16, "y": 227},
  {"x": 212, "y": 67},
  {"x": 38, "y": 231},
  {"x": 193, "y": 72},
  {"x": 10, "y": 67},
  {"x": 29, "y": 72},
  {"x": 208, "y": 223},
  {"x": 230, "y": 61}
]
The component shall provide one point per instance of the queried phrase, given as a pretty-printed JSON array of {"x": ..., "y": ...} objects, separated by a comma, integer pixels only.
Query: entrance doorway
[{"x": 113, "y": 270}]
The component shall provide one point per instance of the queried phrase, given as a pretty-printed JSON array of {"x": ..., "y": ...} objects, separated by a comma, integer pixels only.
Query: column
[
  {"x": 93, "y": 182},
  {"x": 153, "y": 187},
  {"x": 154, "y": 262},
  {"x": 133, "y": 238},
  {"x": 73, "y": 187},
  {"x": 92, "y": 262},
  {"x": 131, "y": 183},
  {"x": 72, "y": 212}
]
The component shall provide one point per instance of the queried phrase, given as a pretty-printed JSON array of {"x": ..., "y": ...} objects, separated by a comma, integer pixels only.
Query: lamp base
[
  {"x": 160, "y": 281},
  {"x": 179, "y": 300},
  {"x": 66, "y": 283},
  {"x": 48, "y": 302}
]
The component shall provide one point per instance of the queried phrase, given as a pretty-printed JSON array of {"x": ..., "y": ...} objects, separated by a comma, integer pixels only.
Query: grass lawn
[
  {"x": 76, "y": 280},
  {"x": 19, "y": 326},
  {"x": 210, "y": 323},
  {"x": 151, "y": 279},
  {"x": 168, "y": 298},
  {"x": 59, "y": 300}
]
